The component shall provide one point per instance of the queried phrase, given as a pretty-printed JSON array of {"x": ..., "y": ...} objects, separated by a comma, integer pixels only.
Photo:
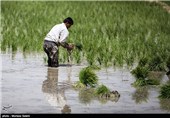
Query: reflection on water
[
  {"x": 54, "y": 92},
  {"x": 26, "y": 81},
  {"x": 165, "y": 104},
  {"x": 87, "y": 95},
  {"x": 140, "y": 95}
]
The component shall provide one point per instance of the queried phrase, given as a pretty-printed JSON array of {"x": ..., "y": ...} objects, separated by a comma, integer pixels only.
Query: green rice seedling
[
  {"x": 90, "y": 58},
  {"x": 165, "y": 91},
  {"x": 94, "y": 67},
  {"x": 77, "y": 53},
  {"x": 143, "y": 61},
  {"x": 139, "y": 82},
  {"x": 129, "y": 60},
  {"x": 116, "y": 38},
  {"x": 102, "y": 90},
  {"x": 156, "y": 64},
  {"x": 104, "y": 94},
  {"x": 140, "y": 72},
  {"x": 79, "y": 46},
  {"x": 145, "y": 82},
  {"x": 168, "y": 62},
  {"x": 152, "y": 82},
  {"x": 168, "y": 66},
  {"x": 88, "y": 77},
  {"x": 77, "y": 56},
  {"x": 14, "y": 47}
]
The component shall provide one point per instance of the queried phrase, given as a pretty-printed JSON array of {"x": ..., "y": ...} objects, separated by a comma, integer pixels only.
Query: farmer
[{"x": 56, "y": 37}]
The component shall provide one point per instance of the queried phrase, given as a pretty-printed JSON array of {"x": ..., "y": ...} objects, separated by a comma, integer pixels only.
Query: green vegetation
[
  {"x": 102, "y": 90},
  {"x": 109, "y": 33},
  {"x": 149, "y": 71},
  {"x": 157, "y": 63},
  {"x": 88, "y": 77},
  {"x": 106, "y": 33},
  {"x": 145, "y": 82},
  {"x": 165, "y": 91},
  {"x": 168, "y": 63},
  {"x": 89, "y": 87},
  {"x": 140, "y": 72}
]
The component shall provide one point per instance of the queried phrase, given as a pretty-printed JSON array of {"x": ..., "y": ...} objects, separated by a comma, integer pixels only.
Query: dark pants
[{"x": 52, "y": 52}]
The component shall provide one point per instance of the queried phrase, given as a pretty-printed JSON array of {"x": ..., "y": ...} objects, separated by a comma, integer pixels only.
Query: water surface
[{"x": 29, "y": 86}]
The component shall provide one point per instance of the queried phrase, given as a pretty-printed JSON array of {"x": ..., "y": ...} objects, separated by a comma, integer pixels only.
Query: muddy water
[{"x": 29, "y": 86}]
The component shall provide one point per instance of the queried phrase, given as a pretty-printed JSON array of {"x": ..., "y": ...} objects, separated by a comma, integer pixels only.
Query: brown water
[{"x": 29, "y": 86}]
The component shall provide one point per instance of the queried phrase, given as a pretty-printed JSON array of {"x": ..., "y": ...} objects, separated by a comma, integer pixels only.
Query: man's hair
[{"x": 68, "y": 20}]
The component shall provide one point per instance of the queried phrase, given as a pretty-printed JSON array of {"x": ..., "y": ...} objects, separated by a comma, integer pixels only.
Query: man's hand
[{"x": 70, "y": 47}]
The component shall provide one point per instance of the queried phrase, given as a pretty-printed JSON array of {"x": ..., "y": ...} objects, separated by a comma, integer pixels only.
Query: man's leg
[
  {"x": 54, "y": 56},
  {"x": 47, "y": 48},
  {"x": 49, "y": 60}
]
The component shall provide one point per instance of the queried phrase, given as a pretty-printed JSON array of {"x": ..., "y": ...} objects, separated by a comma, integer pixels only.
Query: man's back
[{"x": 55, "y": 33}]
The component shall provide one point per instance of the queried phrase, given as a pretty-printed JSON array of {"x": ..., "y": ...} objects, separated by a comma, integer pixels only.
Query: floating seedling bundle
[{"x": 89, "y": 80}]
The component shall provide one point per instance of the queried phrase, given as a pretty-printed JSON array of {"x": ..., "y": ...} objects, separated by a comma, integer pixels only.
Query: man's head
[{"x": 68, "y": 22}]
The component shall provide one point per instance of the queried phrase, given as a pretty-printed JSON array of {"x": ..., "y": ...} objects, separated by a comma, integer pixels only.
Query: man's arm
[
  {"x": 69, "y": 47},
  {"x": 62, "y": 40}
]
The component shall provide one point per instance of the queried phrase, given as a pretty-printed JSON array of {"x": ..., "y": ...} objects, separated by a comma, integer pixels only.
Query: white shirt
[{"x": 58, "y": 33}]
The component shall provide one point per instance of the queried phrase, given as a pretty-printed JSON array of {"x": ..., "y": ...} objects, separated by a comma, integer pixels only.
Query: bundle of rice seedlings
[
  {"x": 156, "y": 64},
  {"x": 165, "y": 91},
  {"x": 79, "y": 46},
  {"x": 140, "y": 72},
  {"x": 102, "y": 90},
  {"x": 88, "y": 77}
]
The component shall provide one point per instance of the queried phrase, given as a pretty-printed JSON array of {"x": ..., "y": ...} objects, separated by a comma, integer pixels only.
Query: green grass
[{"x": 112, "y": 33}]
